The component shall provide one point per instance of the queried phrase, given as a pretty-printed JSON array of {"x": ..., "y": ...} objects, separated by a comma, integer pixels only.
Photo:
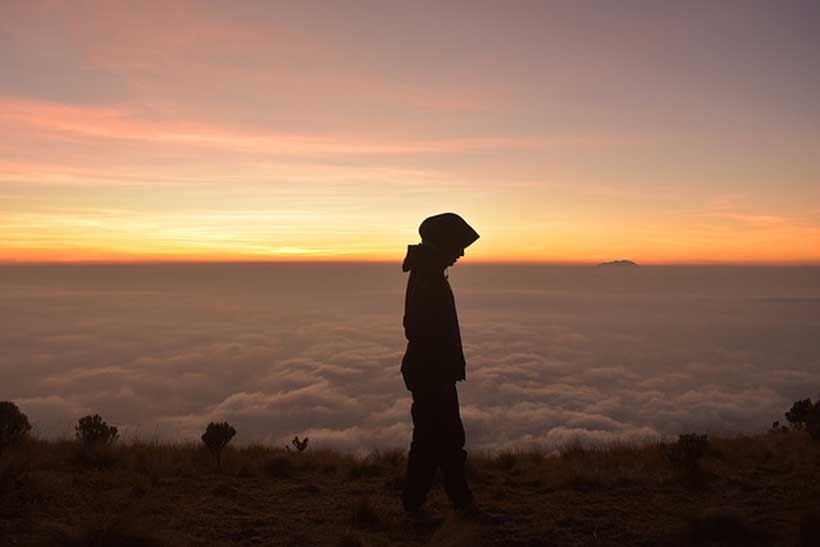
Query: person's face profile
[{"x": 454, "y": 255}]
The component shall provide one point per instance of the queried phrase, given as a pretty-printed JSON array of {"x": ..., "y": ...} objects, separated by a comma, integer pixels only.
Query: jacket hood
[
  {"x": 422, "y": 258},
  {"x": 447, "y": 231}
]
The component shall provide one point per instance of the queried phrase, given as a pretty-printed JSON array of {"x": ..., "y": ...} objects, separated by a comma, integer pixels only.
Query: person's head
[{"x": 449, "y": 234}]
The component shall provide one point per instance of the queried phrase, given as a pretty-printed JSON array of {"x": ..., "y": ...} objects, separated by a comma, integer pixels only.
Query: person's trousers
[{"x": 438, "y": 443}]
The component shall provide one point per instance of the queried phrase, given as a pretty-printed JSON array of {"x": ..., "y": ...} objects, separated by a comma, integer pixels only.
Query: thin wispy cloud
[{"x": 122, "y": 124}]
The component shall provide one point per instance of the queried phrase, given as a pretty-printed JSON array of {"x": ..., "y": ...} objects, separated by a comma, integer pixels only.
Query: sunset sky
[{"x": 664, "y": 132}]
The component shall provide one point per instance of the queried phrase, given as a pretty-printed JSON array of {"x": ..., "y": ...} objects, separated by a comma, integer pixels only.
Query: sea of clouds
[{"x": 555, "y": 354}]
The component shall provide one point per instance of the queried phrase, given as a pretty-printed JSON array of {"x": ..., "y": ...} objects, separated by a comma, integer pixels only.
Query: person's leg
[
  {"x": 421, "y": 462},
  {"x": 452, "y": 456}
]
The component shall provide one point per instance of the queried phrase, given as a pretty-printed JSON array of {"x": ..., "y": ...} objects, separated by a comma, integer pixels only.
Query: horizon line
[{"x": 510, "y": 262}]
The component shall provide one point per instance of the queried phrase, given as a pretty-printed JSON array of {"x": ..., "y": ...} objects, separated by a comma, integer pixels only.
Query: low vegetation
[
  {"x": 299, "y": 445},
  {"x": 750, "y": 490},
  {"x": 805, "y": 416},
  {"x": 14, "y": 425},
  {"x": 95, "y": 438},
  {"x": 216, "y": 438}
]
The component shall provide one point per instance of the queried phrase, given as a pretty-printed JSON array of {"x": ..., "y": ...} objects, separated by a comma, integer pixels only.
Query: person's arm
[{"x": 424, "y": 322}]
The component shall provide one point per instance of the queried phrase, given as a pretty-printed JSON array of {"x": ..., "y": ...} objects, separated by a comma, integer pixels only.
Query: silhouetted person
[{"x": 434, "y": 362}]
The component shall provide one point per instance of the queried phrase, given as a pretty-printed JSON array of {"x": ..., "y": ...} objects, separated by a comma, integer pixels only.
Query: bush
[
  {"x": 95, "y": 438},
  {"x": 685, "y": 455},
  {"x": 805, "y": 415},
  {"x": 14, "y": 425},
  {"x": 216, "y": 438},
  {"x": 93, "y": 432},
  {"x": 799, "y": 413},
  {"x": 300, "y": 446}
]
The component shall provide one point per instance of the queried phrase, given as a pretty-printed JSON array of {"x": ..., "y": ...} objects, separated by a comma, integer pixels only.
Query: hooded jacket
[{"x": 434, "y": 355}]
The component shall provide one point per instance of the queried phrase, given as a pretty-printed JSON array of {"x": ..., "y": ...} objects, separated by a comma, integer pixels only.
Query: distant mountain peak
[{"x": 621, "y": 262}]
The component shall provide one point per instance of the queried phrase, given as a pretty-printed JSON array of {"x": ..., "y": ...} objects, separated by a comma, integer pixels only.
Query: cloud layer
[{"x": 555, "y": 354}]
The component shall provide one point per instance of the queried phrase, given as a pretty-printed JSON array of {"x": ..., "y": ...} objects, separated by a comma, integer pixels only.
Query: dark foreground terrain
[{"x": 761, "y": 490}]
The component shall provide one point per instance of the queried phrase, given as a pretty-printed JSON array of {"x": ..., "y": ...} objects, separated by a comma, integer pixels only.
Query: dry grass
[{"x": 748, "y": 491}]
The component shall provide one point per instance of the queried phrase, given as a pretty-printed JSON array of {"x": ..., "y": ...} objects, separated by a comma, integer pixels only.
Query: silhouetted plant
[
  {"x": 777, "y": 427},
  {"x": 93, "y": 432},
  {"x": 216, "y": 438},
  {"x": 95, "y": 438},
  {"x": 799, "y": 413},
  {"x": 805, "y": 416},
  {"x": 300, "y": 446},
  {"x": 14, "y": 425},
  {"x": 686, "y": 454}
]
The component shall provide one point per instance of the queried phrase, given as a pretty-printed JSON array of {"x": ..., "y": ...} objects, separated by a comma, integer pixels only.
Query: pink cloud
[{"x": 121, "y": 123}]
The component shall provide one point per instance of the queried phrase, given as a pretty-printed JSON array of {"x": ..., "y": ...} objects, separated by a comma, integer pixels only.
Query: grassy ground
[{"x": 761, "y": 490}]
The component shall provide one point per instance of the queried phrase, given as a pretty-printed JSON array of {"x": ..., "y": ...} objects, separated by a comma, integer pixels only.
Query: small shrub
[
  {"x": 95, "y": 438},
  {"x": 300, "y": 446},
  {"x": 799, "y": 413},
  {"x": 686, "y": 454},
  {"x": 216, "y": 438},
  {"x": 93, "y": 432},
  {"x": 805, "y": 415},
  {"x": 14, "y": 426}
]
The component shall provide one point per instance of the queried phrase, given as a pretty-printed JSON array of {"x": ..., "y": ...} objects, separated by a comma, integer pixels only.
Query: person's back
[{"x": 434, "y": 362}]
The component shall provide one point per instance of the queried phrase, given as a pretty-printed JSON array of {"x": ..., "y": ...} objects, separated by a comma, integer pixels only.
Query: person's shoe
[
  {"x": 473, "y": 513},
  {"x": 421, "y": 518}
]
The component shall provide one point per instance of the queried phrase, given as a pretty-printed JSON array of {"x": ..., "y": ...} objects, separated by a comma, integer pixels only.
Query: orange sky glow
[{"x": 322, "y": 131}]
